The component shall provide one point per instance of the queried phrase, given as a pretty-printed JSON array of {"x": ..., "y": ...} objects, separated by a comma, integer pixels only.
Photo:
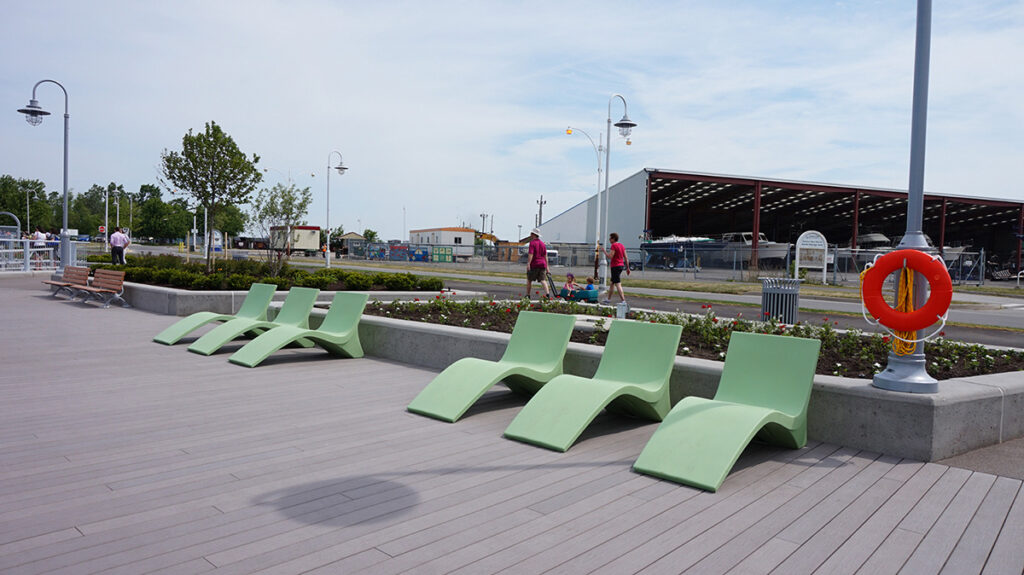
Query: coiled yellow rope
[{"x": 904, "y": 303}]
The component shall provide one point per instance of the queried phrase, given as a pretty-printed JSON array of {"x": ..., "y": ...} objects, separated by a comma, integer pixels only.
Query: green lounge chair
[
  {"x": 533, "y": 356},
  {"x": 632, "y": 378},
  {"x": 253, "y": 307},
  {"x": 764, "y": 391},
  {"x": 294, "y": 311},
  {"x": 338, "y": 334}
]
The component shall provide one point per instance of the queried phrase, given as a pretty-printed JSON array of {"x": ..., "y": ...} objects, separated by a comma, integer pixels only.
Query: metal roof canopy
[{"x": 695, "y": 204}]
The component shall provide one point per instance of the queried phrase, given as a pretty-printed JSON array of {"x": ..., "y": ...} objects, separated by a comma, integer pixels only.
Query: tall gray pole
[{"x": 907, "y": 372}]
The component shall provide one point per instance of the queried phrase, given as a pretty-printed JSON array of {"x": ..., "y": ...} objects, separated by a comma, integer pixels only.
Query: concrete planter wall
[{"x": 965, "y": 414}]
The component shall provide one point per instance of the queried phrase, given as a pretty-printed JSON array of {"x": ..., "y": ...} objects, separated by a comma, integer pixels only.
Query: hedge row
[{"x": 233, "y": 276}]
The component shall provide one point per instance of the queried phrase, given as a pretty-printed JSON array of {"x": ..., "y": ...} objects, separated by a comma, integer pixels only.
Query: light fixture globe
[
  {"x": 625, "y": 126},
  {"x": 34, "y": 112},
  {"x": 341, "y": 169}
]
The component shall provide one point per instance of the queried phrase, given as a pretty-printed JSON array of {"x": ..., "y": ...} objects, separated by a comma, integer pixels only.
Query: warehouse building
[{"x": 655, "y": 203}]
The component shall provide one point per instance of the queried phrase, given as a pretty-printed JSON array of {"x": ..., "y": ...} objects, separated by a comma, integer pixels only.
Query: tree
[
  {"x": 212, "y": 170},
  {"x": 280, "y": 206},
  {"x": 231, "y": 220},
  {"x": 336, "y": 234},
  {"x": 370, "y": 235}
]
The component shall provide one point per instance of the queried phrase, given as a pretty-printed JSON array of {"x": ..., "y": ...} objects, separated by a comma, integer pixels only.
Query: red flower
[
  {"x": 824, "y": 319},
  {"x": 942, "y": 333},
  {"x": 766, "y": 314},
  {"x": 734, "y": 323},
  {"x": 885, "y": 339},
  {"x": 714, "y": 320},
  {"x": 415, "y": 299},
  {"x": 494, "y": 303},
  {"x": 508, "y": 310},
  {"x": 835, "y": 323},
  {"x": 782, "y": 326},
  {"x": 437, "y": 297}
]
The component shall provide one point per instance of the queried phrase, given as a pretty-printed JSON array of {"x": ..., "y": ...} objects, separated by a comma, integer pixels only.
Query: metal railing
[{"x": 18, "y": 255}]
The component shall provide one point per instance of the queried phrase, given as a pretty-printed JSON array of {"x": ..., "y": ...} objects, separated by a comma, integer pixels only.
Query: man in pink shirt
[
  {"x": 617, "y": 261},
  {"x": 118, "y": 242},
  {"x": 536, "y": 264}
]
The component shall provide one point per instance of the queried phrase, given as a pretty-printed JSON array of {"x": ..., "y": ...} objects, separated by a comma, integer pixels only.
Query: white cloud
[{"x": 452, "y": 109}]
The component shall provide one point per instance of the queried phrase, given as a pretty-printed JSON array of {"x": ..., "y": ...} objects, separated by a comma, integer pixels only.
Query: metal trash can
[{"x": 780, "y": 299}]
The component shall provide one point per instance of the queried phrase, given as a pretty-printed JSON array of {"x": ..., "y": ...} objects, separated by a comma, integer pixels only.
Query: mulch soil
[{"x": 831, "y": 361}]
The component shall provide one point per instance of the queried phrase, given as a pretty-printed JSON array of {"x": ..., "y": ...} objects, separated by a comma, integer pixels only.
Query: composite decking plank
[
  {"x": 658, "y": 536},
  {"x": 1007, "y": 555},
  {"x": 934, "y": 550},
  {"x": 972, "y": 550},
  {"x": 863, "y": 543},
  {"x": 135, "y": 457},
  {"x": 891, "y": 555},
  {"x": 817, "y": 483}
]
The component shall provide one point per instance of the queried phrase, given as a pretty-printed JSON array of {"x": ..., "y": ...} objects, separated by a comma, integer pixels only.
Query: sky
[{"x": 446, "y": 110}]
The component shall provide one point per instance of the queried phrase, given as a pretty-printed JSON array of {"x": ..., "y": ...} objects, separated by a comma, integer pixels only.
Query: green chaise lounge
[
  {"x": 294, "y": 311},
  {"x": 764, "y": 391},
  {"x": 632, "y": 378},
  {"x": 338, "y": 334},
  {"x": 253, "y": 307},
  {"x": 533, "y": 356}
]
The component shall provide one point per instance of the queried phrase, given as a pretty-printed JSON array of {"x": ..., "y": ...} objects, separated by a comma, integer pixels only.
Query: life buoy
[{"x": 933, "y": 270}]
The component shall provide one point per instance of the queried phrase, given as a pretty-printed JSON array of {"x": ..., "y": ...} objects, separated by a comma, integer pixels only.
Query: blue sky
[{"x": 452, "y": 109}]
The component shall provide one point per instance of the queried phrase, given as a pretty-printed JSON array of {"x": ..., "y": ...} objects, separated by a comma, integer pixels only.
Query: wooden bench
[
  {"x": 107, "y": 286},
  {"x": 73, "y": 278}
]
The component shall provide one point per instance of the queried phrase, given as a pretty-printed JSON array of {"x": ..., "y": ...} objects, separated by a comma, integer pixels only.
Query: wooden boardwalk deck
[{"x": 118, "y": 455}]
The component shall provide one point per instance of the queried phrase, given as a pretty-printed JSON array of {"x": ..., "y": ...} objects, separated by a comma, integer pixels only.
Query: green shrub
[
  {"x": 314, "y": 281},
  {"x": 280, "y": 282},
  {"x": 429, "y": 284},
  {"x": 138, "y": 275},
  {"x": 357, "y": 281},
  {"x": 181, "y": 279},
  {"x": 240, "y": 281},
  {"x": 379, "y": 279},
  {"x": 337, "y": 274},
  {"x": 400, "y": 282}
]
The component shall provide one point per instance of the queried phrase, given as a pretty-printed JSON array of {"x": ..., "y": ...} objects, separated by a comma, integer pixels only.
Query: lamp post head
[
  {"x": 341, "y": 169},
  {"x": 625, "y": 126},
  {"x": 34, "y": 112},
  {"x": 568, "y": 131}
]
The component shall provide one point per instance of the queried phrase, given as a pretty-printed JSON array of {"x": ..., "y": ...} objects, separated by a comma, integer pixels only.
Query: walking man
[
  {"x": 536, "y": 264},
  {"x": 617, "y": 262},
  {"x": 118, "y": 242}
]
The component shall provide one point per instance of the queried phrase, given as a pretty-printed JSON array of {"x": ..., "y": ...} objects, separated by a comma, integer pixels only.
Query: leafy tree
[
  {"x": 279, "y": 206},
  {"x": 164, "y": 221},
  {"x": 336, "y": 234},
  {"x": 370, "y": 235},
  {"x": 231, "y": 220},
  {"x": 147, "y": 191},
  {"x": 14, "y": 192},
  {"x": 212, "y": 170}
]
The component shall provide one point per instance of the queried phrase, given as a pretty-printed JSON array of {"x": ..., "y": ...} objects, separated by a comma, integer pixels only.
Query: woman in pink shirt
[{"x": 617, "y": 261}]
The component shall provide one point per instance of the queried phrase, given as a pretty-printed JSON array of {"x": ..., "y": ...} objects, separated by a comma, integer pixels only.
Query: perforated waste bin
[{"x": 780, "y": 299}]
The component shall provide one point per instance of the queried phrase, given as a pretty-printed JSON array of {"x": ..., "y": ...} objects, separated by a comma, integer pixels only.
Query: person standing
[
  {"x": 38, "y": 246},
  {"x": 617, "y": 261},
  {"x": 536, "y": 264},
  {"x": 118, "y": 242}
]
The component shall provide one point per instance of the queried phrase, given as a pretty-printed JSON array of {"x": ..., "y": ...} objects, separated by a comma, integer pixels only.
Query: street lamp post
[
  {"x": 106, "y": 223},
  {"x": 907, "y": 373},
  {"x": 340, "y": 168},
  {"x": 34, "y": 116},
  {"x": 597, "y": 212},
  {"x": 28, "y": 213},
  {"x": 625, "y": 126}
]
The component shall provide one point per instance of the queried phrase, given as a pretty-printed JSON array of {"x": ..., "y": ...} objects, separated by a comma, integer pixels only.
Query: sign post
[{"x": 811, "y": 252}]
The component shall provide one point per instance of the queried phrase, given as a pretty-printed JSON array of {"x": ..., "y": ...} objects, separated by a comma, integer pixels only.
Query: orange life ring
[{"x": 930, "y": 267}]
